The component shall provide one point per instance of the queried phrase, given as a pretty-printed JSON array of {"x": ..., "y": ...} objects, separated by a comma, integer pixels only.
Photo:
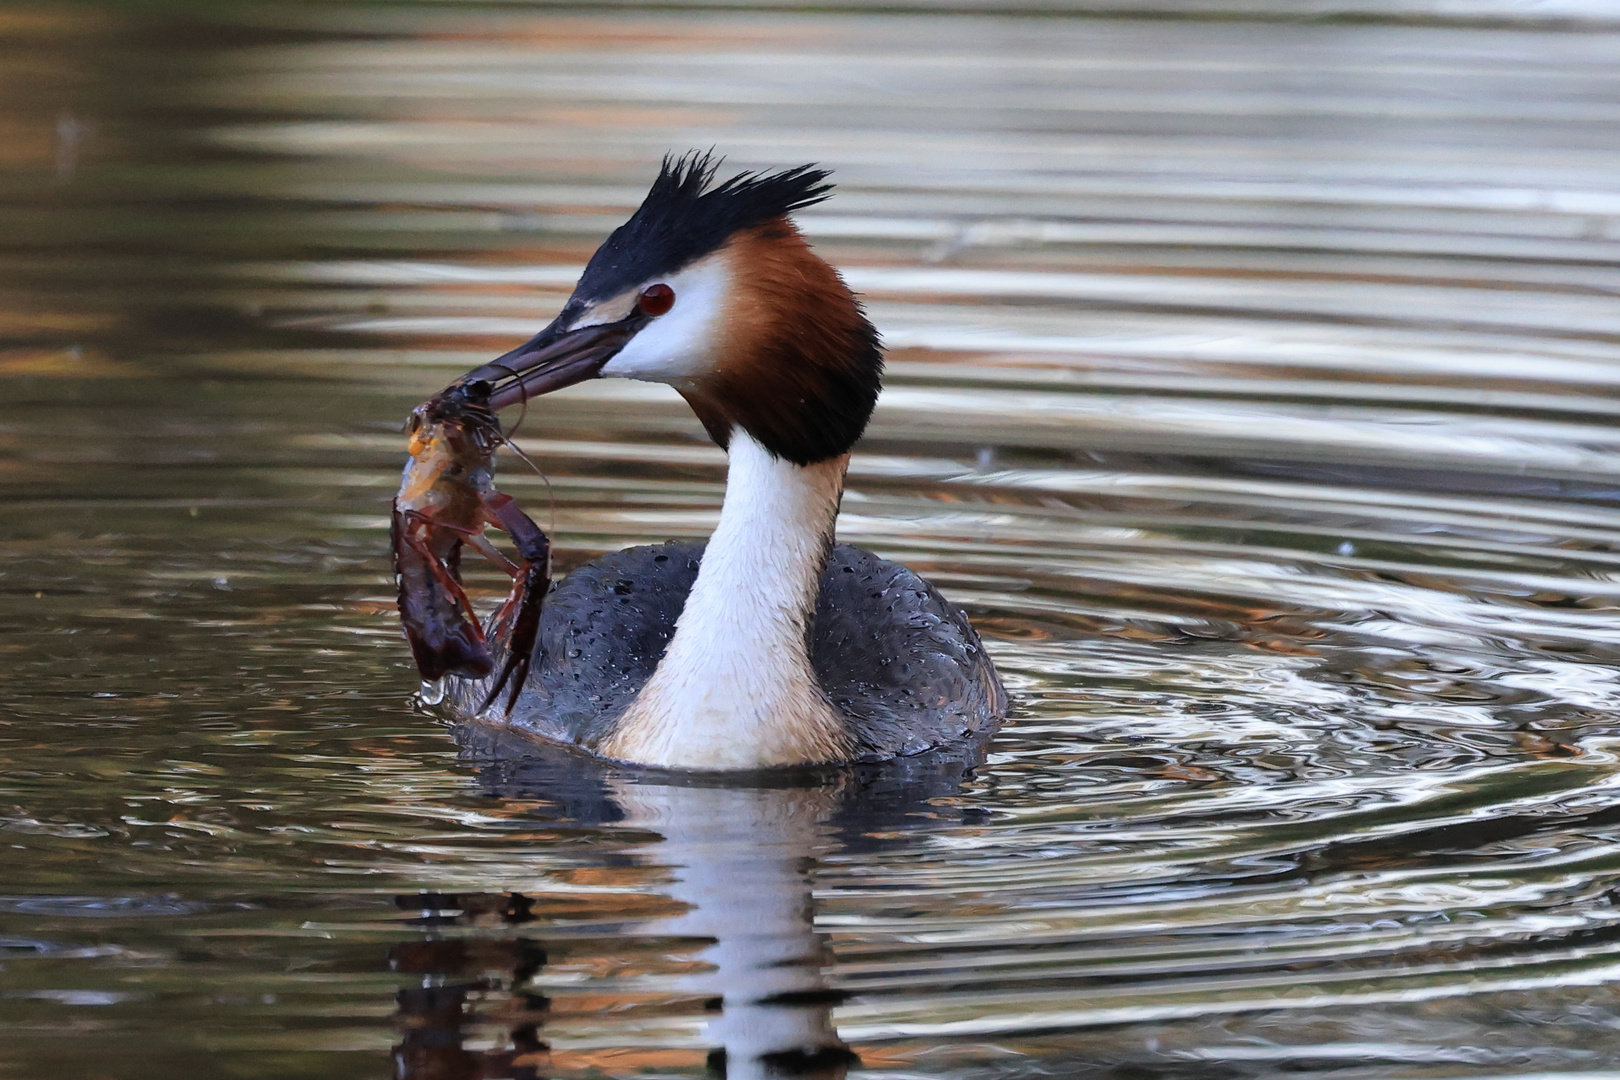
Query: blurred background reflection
[{"x": 1253, "y": 375}]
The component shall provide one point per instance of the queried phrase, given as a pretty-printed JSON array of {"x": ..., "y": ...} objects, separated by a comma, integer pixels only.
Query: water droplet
[{"x": 431, "y": 693}]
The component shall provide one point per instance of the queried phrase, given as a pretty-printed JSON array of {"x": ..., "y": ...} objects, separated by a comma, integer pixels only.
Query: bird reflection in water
[
  {"x": 733, "y": 862},
  {"x": 433, "y": 1016}
]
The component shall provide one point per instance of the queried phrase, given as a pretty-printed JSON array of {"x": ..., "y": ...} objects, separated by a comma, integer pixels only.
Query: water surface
[{"x": 1252, "y": 384}]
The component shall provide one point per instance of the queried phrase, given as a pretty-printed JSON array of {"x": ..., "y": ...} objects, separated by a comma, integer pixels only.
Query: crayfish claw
[
  {"x": 432, "y": 606},
  {"x": 518, "y": 624}
]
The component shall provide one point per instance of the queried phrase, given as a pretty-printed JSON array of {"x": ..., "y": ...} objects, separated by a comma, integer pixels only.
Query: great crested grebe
[{"x": 771, "y": 645}]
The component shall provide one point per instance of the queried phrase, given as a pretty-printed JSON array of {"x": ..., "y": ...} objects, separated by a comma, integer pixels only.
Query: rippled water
[{"x": 1252, "y": 383}]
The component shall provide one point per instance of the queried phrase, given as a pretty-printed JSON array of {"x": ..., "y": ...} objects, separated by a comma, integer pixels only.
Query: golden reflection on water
[{"x": 1251, "y": 381}]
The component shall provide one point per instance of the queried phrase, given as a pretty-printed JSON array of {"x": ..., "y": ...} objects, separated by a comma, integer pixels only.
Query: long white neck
[{"x": 735, "y": 689}]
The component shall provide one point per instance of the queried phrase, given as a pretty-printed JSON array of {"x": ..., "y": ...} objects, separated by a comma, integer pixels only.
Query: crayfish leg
[{"x": 480, "y": 543}]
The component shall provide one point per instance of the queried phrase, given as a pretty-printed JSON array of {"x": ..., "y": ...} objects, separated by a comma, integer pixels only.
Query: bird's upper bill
[{"x": 711, "y": 290}]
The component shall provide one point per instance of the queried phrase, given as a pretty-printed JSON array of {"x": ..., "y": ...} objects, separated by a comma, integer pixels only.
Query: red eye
[{"x": 656, "y": 299}]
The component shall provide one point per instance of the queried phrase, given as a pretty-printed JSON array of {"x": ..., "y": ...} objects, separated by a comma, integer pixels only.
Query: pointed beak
[{"x": 552, "y": 359}]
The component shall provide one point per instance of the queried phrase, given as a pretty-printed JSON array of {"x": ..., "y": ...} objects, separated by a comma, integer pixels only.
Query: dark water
[{"x": 1253, "y": 384}]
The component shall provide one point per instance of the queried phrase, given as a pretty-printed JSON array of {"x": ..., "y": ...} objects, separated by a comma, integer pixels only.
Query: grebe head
[{"x": 710, "y": 289}]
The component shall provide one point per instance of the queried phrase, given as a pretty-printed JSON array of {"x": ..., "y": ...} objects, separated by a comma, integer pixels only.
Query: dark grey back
[
  {"x": 899, "y": 660},
  {"x": 890, "y": 652}
]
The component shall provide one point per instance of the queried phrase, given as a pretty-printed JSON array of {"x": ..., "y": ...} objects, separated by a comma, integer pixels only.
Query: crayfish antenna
[{"x": 551, "y": 496}]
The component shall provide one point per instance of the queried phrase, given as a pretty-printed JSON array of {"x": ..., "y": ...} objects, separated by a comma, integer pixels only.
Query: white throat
[{"x": 735, "y": 689}]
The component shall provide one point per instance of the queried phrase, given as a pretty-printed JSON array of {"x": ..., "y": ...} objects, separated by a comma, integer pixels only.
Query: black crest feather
[{"x": 683, "y": 219}]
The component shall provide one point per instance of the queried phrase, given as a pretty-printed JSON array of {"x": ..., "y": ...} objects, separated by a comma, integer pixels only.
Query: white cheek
[{"x": 682, "y": 343}]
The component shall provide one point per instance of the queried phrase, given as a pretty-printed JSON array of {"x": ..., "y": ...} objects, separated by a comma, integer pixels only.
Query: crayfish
[{"x": 446, "y": 498}]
